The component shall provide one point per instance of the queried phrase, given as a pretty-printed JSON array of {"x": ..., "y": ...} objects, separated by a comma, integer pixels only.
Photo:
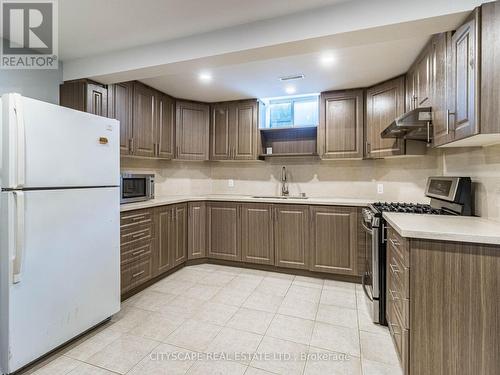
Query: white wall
[{"x": 36, "y": 84}]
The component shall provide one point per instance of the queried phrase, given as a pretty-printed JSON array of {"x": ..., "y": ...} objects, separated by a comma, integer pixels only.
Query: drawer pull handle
[
  {"x": 138, "y": 252},
  {"x": 393, "y": 295},
  {"x": 395, "y": 243},
  {"x": 392, "y": 325},
  {"x": 140, "y": 234},
  {"x": 137, "y": 218},
  {"x": 137, "y": 274},
  {"x": 394, "y": 268}
]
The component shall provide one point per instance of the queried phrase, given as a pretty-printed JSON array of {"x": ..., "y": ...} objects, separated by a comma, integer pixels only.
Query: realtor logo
[{"x": 29, "y": 34}]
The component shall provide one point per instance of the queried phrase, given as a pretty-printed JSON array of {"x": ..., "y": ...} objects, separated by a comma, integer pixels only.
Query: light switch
[
  {"x": 380, "y": 188},
  {"x": 230, "y": 183}
]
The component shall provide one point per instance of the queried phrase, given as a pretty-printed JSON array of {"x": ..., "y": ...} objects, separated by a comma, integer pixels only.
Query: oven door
[
  {"x": 135, "y": 188},
  {"x": 370, "y": 280}
]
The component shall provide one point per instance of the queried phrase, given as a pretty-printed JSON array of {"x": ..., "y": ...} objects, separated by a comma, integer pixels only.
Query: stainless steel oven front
[
  {"x": 136, "y": 187},
  {"x": 373, "y": 280}
]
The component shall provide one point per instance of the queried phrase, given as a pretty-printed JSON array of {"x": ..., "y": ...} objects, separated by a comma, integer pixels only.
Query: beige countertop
[
  {"x": 445, "y": 228},
  {"x": 171, "y": 199}
]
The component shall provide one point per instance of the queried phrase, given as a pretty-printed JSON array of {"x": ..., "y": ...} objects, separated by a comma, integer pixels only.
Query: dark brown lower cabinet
[
  {"x": 222, "y": 230},
  {"x": 334, "y": 240},
  {"x": 197, "y": 230},
  {"x": 171, "y": 239},
  {"x": 442, "y": 305},
  {"x": 256, "y": 231},
  {"x": 137, "y": 234},
  {"x": 164, "y": 259},
  {"x": 179, "y": 233},
  {"x": 291, "y": 236}
]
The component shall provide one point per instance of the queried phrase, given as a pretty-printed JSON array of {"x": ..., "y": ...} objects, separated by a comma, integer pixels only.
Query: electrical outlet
[
  {"x": 380, "y": 188},
  {"x": 230, "y": 183}
]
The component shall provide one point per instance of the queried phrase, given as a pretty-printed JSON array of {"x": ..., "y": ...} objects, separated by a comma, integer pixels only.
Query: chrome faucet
[{"x": 284, "y": 183}]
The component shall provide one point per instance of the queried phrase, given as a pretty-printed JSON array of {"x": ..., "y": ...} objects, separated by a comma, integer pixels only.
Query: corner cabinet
[
  {"x": 223, "y": 231},
  {"x": 233, "y": 130},
  {"x": 197, "y": 230},
  {"x": 334, "y": 240},
  {"x": 192, "y": 131},
  {"x": 340, "y": 131},
  {"x": 384, "y": 103}
]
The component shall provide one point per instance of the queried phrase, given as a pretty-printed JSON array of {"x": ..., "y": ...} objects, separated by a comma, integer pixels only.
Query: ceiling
[
  {"x": 358, "y": 66},
  {"x": 245, "y": 46},
  {"x": 92, "y": 27}
]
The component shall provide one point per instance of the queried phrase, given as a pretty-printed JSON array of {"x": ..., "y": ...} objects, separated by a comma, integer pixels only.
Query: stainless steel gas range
[{"x": 449, "y": 196}]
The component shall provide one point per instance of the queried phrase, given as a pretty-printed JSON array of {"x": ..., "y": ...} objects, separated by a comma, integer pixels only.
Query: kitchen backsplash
[
  {"x": 403, "y": 179},
  {"x": 483, "y": 165}
]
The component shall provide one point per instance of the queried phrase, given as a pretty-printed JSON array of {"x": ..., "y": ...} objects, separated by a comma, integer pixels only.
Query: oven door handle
[{"x": 363, "y": 284}]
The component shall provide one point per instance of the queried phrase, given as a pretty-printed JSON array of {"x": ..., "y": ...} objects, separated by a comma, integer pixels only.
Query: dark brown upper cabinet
[
  {"x": 120, "y": 99},
  {"x": 464, "y": 78},
  {"x": 84, "y": 95},
  {"x": 164, "y": 126},
  {"x": 143, "y": 142},
  {"x": 470, "y": 116},
  {"x": 440, "y": 65},
  {"x": 384, "y": 103},
  {"x": 418, "y": 81},
  {"x": 233, "y": 130},
  {"x": 192, "y": 130},
  {"x": 340, "y": 133}
]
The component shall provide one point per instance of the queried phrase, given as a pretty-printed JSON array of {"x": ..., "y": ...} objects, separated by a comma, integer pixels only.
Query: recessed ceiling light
[
  {"x": 327, "y": 59},
  {"x": 205, "y": 77},
  {"x": 290, "y": 90}
]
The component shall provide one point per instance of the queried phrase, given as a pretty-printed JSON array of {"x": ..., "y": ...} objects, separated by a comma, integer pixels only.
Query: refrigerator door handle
[
  {"x": 19, "y": 237},
  {"x": 21, "y": 149}
]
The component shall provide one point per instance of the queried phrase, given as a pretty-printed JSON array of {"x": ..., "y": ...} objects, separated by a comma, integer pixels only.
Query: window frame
[{"x": 293, "y": 100}]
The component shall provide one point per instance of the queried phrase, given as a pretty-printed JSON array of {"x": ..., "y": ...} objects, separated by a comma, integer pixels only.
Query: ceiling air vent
[{"x": 292, "y": 78}]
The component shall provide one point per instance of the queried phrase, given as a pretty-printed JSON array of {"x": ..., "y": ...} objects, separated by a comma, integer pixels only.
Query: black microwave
[{"x": 136, "y": 187}]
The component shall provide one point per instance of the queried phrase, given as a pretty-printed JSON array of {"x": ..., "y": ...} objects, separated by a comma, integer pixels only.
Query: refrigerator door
[
  {"x": 45, "y": 145},
  {"x": 60, "y": 268}
]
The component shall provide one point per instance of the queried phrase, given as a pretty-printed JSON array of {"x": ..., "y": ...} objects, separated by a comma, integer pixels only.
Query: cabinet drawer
[
  {"x": 400, "y": 337},
  {"x": 135, "y": 274},
  {"x": 401, "y": 304},
  {"x": 134, "y": 218},
  {"x": 400, "y": 245},
  {"x": 141, "y": 233},
  {"x": 399, "y": 273},
  {"x": 136, "y": 252}
]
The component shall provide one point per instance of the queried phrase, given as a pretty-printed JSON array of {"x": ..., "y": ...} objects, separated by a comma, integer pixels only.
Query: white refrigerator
[{"x": 59, "y": 226}]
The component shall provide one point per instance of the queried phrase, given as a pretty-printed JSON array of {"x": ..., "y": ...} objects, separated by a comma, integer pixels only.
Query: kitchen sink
[{"x": 280, "y": 197}]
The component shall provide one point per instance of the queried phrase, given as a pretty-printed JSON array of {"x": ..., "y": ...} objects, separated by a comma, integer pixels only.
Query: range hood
[{"x": 415, "y": 124}]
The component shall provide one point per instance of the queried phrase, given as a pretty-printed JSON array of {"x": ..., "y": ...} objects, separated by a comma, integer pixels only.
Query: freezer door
[
  {"x": 60, "y": 270},
  {"x": 45, "y": 145}
]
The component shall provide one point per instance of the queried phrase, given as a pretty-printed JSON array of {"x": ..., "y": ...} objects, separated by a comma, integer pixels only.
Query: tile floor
[{"x": 211, "y": 319}]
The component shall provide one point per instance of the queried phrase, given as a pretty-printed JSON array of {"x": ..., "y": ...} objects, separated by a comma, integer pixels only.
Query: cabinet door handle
[
  {"x": 130, "y": 145},
  {"x": 448, "y": 114},
  {"x": 368, "y": 147}
]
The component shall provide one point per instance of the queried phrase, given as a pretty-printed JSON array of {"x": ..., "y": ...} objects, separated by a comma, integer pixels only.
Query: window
[{"x": 291, "y": 111}]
